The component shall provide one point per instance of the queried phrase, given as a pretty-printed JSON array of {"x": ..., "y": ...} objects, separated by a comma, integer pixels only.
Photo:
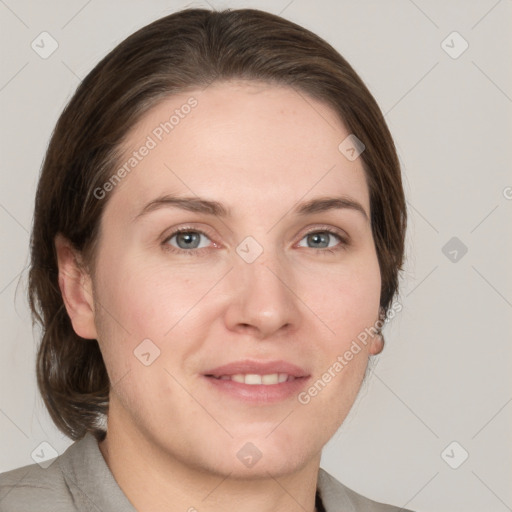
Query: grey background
[{"x": 444, "y": 375}]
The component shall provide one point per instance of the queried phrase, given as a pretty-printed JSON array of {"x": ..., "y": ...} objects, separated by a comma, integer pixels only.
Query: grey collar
[{"x": 94, "y": 488}]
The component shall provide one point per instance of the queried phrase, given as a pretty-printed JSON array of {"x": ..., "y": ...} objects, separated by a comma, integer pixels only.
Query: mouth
[
  {"x": 258, "y": 382},
  {"x": 254, "y": 379}
]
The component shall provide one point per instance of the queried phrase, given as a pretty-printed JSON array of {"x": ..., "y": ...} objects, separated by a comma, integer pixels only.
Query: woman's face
[{"x": 262, "y": 281}]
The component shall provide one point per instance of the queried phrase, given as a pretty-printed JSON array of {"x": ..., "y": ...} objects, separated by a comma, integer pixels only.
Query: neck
[{"x": 155, "y": 481}]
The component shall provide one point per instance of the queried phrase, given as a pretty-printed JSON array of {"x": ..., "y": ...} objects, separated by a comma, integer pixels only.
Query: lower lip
[{"x": 259, "y": 393}]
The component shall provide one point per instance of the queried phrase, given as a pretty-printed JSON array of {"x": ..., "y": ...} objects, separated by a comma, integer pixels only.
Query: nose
[{"x": 263, "y": 299}]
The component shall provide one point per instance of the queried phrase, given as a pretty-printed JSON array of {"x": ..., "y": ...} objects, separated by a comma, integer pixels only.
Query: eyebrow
[{"x": 208, "y": 207}]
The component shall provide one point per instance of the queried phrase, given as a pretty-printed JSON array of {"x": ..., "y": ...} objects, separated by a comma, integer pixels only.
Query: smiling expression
[{"x": 240, "y": 249}]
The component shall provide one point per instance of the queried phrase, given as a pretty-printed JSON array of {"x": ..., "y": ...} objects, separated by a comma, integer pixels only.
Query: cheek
[
  {"x": 149, "y": 299},
  {"x": 137, "y": 302},
  {"x": 345, "y": 299},
  {"x": 349, "y": 305}
]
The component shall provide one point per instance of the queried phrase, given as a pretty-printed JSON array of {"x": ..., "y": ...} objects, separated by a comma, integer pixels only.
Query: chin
[
  {"x": 275, "y": 465},
  {"x": 258, "y": 456}
]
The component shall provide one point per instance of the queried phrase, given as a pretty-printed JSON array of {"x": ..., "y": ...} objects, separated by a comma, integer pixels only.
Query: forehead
[{"x": 248, "y": 144}]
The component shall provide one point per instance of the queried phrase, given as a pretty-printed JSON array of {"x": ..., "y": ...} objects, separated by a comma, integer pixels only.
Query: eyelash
[{"x": 198, "y": 252}]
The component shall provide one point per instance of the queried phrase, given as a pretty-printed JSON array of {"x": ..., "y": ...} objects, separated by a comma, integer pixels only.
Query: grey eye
[
  {"x": 187, "y": 240},
  {"x": 320, "y": 239}
]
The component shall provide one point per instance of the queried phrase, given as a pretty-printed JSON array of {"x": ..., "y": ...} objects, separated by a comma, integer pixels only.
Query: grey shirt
[{"x": 79, "y": 480}]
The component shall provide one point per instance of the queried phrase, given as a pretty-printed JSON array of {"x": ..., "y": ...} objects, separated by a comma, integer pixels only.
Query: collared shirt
[{"x": 79, "y": 480}]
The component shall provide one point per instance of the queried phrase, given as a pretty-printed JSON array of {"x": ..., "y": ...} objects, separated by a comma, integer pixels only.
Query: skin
[{"x": 172, "y": 440}]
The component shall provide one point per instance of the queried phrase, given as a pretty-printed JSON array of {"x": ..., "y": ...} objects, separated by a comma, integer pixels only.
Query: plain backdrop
[{"x": 441, "y": 390}]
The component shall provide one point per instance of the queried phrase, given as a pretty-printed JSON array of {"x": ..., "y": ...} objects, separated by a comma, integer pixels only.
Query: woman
[{"x": 219, "y": 227}]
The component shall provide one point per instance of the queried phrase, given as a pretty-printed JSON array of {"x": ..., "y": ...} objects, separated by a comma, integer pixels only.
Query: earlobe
[
  {"x": 76, "y": 288},
  {"x": 377, "y": 344}
]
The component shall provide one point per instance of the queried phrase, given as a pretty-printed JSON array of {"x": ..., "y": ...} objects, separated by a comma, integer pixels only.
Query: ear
[
  {"x": 376, "y": 345},
  {"x": 76, "y": 288}
]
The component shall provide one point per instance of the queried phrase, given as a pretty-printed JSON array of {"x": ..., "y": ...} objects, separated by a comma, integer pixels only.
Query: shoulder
[
  {"x": 337, "y": 497},
  {"x": 33, "y": 487},
  {"x": 46, "y": 487},
  {"x": 78, "y": 480}
]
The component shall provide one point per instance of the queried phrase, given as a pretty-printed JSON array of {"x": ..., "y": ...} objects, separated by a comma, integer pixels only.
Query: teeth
[
  {"x": 255, "y": 379},
  {"x": 270, "y": 379},
  {"x": 251, "y": 378}
]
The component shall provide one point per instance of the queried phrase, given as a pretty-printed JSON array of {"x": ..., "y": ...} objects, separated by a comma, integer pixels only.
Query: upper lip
[{"x": 248, "y": 366}]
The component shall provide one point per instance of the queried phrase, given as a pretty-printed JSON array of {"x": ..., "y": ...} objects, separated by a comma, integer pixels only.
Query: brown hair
[{"x": 190, "y": 48}]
